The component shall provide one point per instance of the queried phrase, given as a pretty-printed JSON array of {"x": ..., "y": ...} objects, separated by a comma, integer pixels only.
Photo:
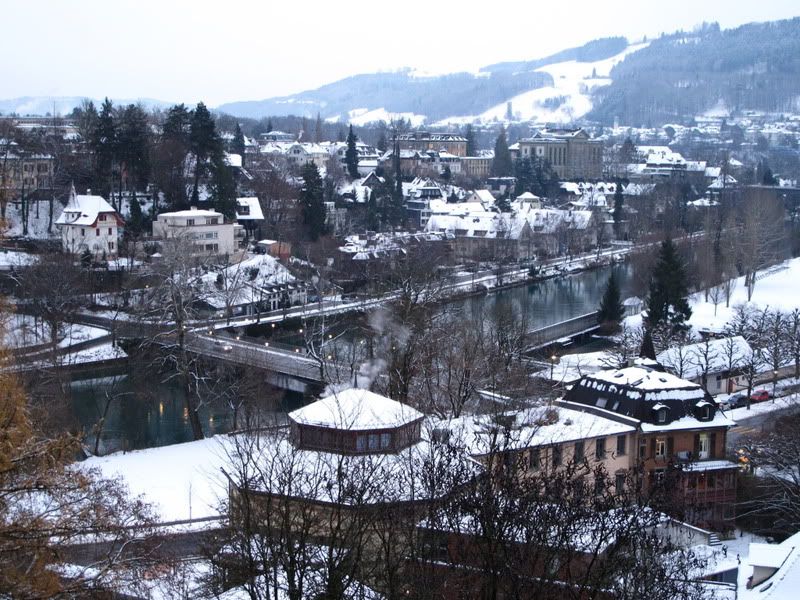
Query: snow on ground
[
  {"x": 569, "y": 97},
  {"x": 182, "y": 481},
  {"x": 15, "y": 258},
  {"x": 776, "y": 288},
  {"x": 363, "y": 116},
  {"x": 23, "y": 331},
  {"x": 101, "y": 352},
  {"x": 37, "y": 227}
]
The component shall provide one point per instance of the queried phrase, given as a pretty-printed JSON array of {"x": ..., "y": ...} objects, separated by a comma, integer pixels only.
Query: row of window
[
  {"x": 97, "y": 232},
  {"x": 579, "y": 452}
]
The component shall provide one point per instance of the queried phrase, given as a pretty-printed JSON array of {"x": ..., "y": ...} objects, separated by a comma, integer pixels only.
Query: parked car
[
  {"x": 760, "y": 396},
  {"x": 736, "y": 400}
]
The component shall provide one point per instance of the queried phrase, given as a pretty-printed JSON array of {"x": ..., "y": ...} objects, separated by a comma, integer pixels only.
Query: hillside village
[{"x": 522, "y": 353}]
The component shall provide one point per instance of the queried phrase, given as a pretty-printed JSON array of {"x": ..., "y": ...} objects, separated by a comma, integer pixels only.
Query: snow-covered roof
[
  {"x": 710, "y": 465},
  {"x": 253, "y": 210},
  {"x": 233, "y": 160},
  {"x": 712, "y": 356},
  {"x": 84, "y": 210},
  {"x": 356, "y": 409},
  {"x": 722, "y": 181},
  {"x": 192, "y": 212},
  {"x": 528, "y": 428},
  {"x": 785, "y": 558},
  {"x": 646, "y": 380},
  {"x": 689, "y": 422}
]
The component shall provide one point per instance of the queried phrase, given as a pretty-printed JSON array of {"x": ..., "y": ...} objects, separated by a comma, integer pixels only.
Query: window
[
  {"x": 110, "y": 245},
  {"x": 361, "y": 443},
  {"x": 661, "y": 448},
  {"x": 661, "y": 415},
  {"x": 97, "y": 233},
  {"x": 189, "y": 222},
  {"x": 386, "y": 440},
  {"x": 600, "y": 448},
  {"x": 374, "y": 441},
  {"x": 642, "y": 449},
  {"x": 579, "y": 453},
  {"x": 705, "y": 447},
  {"x": 621, "y": 445},
  {"x": 534, "y": 458},
  {"x": 557, "y": 456},
  {"x": 102, "y": 217},
  {"x": 110, "y": 232},
  {"x": 619, "y": 482},
  {"x": 83, "y": 232}
]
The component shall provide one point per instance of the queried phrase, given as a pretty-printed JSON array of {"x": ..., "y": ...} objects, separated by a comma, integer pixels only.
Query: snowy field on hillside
[
  {"x": 182, "y": 481},
  {"x": 776, "y": 288},
  {"x": 364, "y": 116},
  {"x": 568, "y": 99}
]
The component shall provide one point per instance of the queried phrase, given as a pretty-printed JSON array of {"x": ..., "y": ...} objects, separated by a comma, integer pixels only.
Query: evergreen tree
[
  {"x": 104, "y": 146},
  {"x": 237, "y": 145},
  {"x": 618, "y": 214},
  {"x": 312, "y": 207},
  {"x": 470, "y": 135},
  {"x": 135, "y": 223},
  {"x": 501, "y": 163},
  {"x": 667, "y": 300},
  {"x": 373, "y": 220},
  {"x": 447, "y": 174},
  {"x": 382, "y": 144},
  {"x": 396, "y": 214},
  {"x": 351, "y": 155},
  {"x": 133, "y": 146},
  {"x": 648, "y": 349},
  {"x": 318, "y": 129},
  {"x": 169, "y": 158},
  {"x": 223, "y": 187},
  {"x": 611, "y": 310},
  {"x": 204, "y": 143},
  {"x": 523, "y": 171}
]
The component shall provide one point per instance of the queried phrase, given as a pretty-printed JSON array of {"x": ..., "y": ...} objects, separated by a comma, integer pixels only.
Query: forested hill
[
  {"x": 398, "y": 92},
  {"x": 755, "y": 66},
  {"x": 434, "y": 97}
]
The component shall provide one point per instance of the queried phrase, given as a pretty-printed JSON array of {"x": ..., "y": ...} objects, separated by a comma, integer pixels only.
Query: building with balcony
[{"x": 680, "y": 438}]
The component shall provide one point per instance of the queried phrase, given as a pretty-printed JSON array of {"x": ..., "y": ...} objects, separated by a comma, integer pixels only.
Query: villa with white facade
[{"x": 90, "y": 223}]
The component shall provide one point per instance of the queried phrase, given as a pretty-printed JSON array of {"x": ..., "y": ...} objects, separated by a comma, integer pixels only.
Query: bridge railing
[{"x": 551, "y": 333}]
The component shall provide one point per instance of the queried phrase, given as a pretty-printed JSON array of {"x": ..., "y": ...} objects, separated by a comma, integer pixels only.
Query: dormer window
[
  {"x": 703, "y": 410},
  {"x": 660, "y": 412}
]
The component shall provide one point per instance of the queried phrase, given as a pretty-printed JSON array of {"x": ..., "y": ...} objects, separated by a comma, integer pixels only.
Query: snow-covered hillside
[
  {"x": 363, "y": 116},
  {"x": 568, "y": 99}
]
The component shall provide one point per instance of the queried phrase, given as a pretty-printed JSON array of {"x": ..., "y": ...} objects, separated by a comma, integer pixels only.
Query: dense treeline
[{"x": 756, "y": 66}]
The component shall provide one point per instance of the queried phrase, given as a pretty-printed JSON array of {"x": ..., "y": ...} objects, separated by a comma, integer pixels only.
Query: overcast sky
[{"x": 221, "y": 51}]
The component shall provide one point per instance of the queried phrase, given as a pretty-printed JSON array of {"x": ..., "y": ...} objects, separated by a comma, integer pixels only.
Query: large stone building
[
  {"x": 572, "y": 153},
  {"x": 425, "y": 140}
]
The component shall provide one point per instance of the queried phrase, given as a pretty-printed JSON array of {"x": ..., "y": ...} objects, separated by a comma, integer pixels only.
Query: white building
[
  {"x": 89, "y": 223},
  {"x": 206, "y": 229}
]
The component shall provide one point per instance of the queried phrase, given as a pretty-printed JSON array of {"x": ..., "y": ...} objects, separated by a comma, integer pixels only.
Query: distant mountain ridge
[{"x": 436, "y": 97}]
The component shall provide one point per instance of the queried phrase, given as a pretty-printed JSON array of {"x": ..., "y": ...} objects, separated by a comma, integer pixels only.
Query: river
[{"x": 158, "y": 417}]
